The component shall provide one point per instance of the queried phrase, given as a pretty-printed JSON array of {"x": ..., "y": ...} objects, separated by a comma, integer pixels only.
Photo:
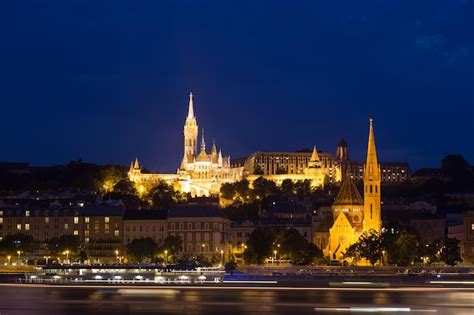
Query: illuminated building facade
[
  {"x": 354, "y": 215},
  {"x": 200, "y": 173}
]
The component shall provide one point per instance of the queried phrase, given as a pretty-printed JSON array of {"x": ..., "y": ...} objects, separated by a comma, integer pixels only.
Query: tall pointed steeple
[
  {"x": 190, "y": 132},
  {"x": 203, "y": 142},
  {"x": 314, "y": 161},
  {"x": 136, "y": 165},
  {"x": 372, "y": 205},
  {"x": 372, "y": 166},
  {"x": 214, "y": 147},
  {"x": 191, "y": 106}
]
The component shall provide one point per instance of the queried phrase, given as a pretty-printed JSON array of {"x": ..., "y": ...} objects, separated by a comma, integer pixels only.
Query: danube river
[{"x": 71, "y": 300}]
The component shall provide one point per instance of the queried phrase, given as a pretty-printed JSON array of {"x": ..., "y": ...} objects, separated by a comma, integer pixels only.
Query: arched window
[
  {"x": 370, "y": 188},
  {"x": 371, "y": 211}
]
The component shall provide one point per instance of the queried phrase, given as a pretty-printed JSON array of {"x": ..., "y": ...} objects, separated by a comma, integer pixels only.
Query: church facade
[
  {"x": 200, "y": 173},
  {"x": 353, "y": 214}
]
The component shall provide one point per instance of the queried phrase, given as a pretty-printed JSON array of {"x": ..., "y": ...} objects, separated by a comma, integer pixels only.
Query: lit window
[
  {"x": 46, "y": 220},
  {"x": 76, "y": 232},
  {"x": 76, "y": 220},
  {"x": 86, "y": 232},
  {"x": 66, "y": 226},
  {"x": 18, "y": 227},
  {"x": 86, "y": 240},
  {"x": 117, "y": 233},
  {"x": 86, "y": 219},
  {"x": 107, "y": 219},
  {"x": 27, "y": 213},
  {"x": 1, "y": 212},
  {"x": 27, "y": 226},
  {"x": 472, "y": 226},
  {"x": 1, "y": 220}
]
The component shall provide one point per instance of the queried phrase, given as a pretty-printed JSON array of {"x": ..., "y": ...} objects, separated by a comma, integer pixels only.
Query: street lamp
[
  {"x": 9, "y": 259},
  {"x": 383, "y": 257},
  {"x": 275, "y": 255},
  {"x": 46, "y": 259},
  {"x": 117, "y": 252},
  {"x": 66, "y": 252},
  {"x": 203, "y": 245},
  {"x": 166, "y": 256},
  {"x": 222, "y": 257}
]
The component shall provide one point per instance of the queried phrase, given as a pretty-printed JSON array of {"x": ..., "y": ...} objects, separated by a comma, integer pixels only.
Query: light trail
[{"x": 256, "y": 288}]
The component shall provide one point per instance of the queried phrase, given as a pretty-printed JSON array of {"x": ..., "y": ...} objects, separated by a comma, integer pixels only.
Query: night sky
[{"x": 107, "y": 81}]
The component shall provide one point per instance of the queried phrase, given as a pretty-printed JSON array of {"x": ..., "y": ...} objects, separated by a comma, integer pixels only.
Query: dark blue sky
[{"x": 109, "y": 80}]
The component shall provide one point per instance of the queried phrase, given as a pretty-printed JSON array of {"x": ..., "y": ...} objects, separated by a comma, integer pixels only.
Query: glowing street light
[
  {"x": 46, "y": 258},
  {"x": 275, "y": 255},
  {"x": 66, "y": 252},
  {"x": 166, "y": 256},
  {"x": 9, "y": 258}
]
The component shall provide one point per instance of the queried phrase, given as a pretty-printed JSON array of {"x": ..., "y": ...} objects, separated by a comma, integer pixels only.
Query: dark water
[{"x": 186, "y": 300}]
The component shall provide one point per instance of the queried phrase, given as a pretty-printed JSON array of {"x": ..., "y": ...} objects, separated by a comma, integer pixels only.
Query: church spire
[
  {"x": 203, "y": 143},
  {"x": 372, "y": 201},
  {"x": 191, "y": 106},
  {"x": 314, "y": 155},
  {"x": 371, "y": 165}
]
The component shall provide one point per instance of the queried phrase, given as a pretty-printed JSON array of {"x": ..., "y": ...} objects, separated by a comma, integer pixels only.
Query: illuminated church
[
  {"x": 200, "y": 173},
  {"x": 352, "y": 214}
]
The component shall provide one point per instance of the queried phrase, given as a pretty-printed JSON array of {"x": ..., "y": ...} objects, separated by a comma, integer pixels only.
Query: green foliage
[
  {"x": 260, "y": 244},
  {"x": 140, "y": 249},
  {"x": 287, "y": 187},
  {"x": 288, "y": 243},
  {"x": 297, "y": 249},
  {"x": 125, "y": 186},
  {"x": 163, "y": 195},
  {"x": 173, "y": 244},
  {"x": 368, "y": 246},
  {"x": 230, "y": 266},
  {"x": 82, "y": 256},
  {"x": 263, "y": 188},
  {"x": 17, "y": 242},
  {"x": 228, "y": 191},
  {"x": 58, "y": 245},
  {"x": 450, "y": 253}
]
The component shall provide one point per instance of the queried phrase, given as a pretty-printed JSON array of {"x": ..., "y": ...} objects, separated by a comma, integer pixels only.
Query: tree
[
  {"x": 11, "y": 244},
  {"x": 303, "y": 188},
  {"x": 59, "y": 245},
  {"x": 230, "y": 267},
  {"x": 263, "y": 187},
  {"x": 125, "y": 186},
  {"x": 370, "y": 246},
  {"x": 450, "y": 253},
  {"x": 242, "y": 189},
  {"x": 173, "y": 244},
  {"x": 260, "y": 245},
  {"x": 297, "y": 248},
  {"x": 140, "y": 249},
  {"x": 459, "y": 171},
  {"x": 228, "y": 191},
  {"x": 287, "y": 187},
  {"x": 162, "y": 195}
]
